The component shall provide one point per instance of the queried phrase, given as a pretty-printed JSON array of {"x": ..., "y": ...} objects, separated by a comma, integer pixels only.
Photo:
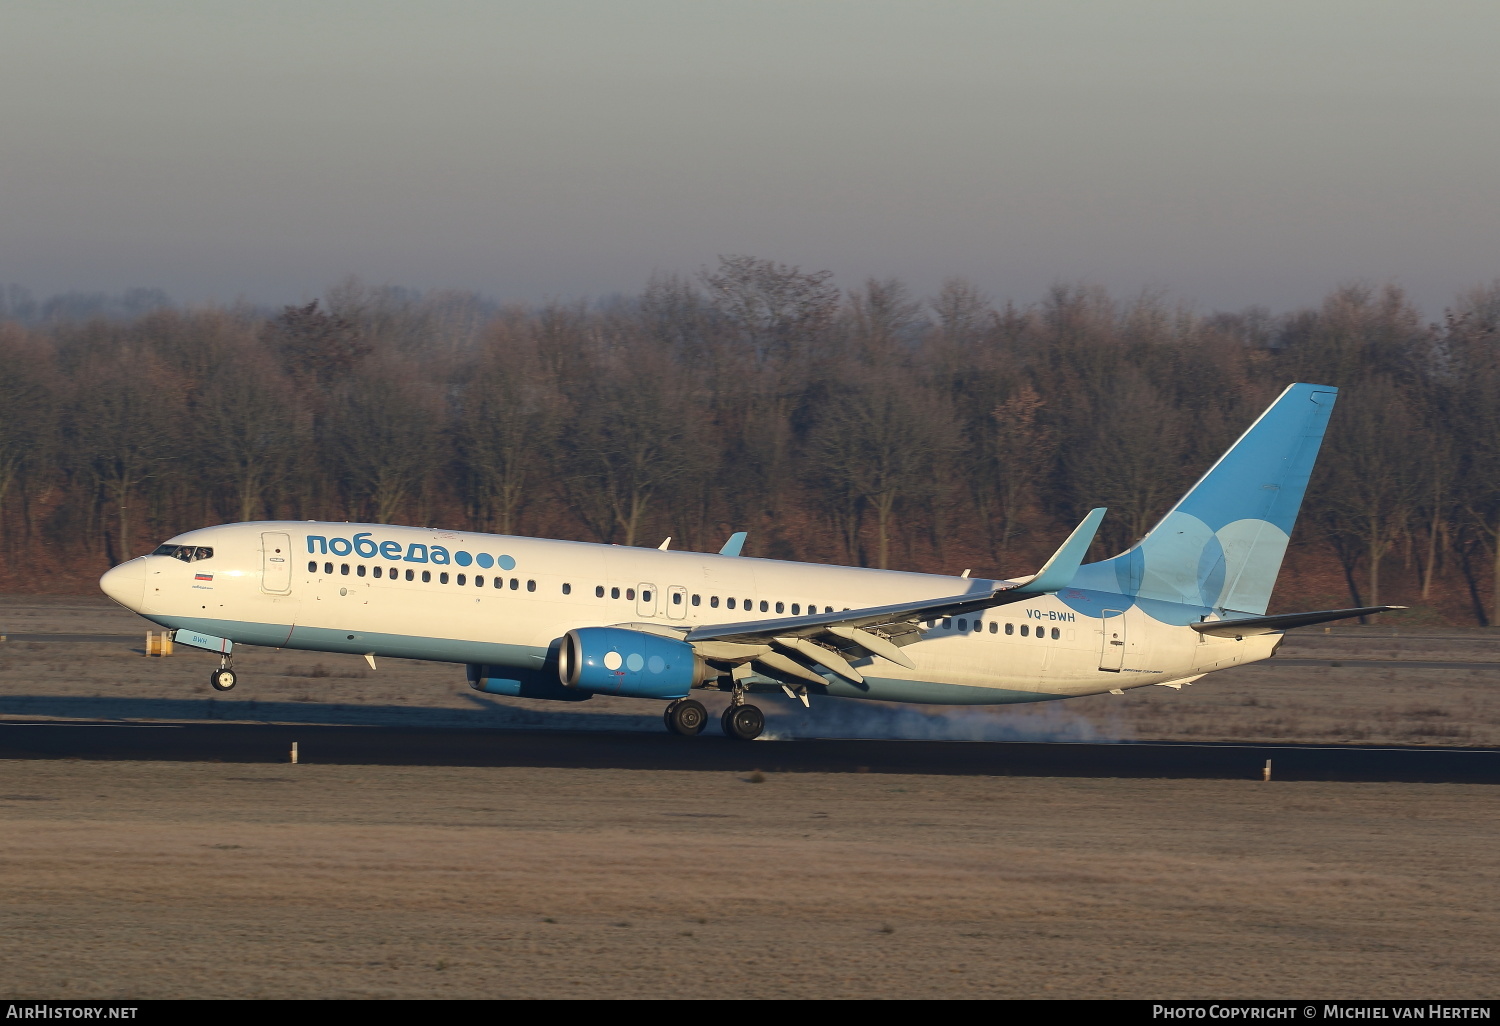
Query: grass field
[{"x": 142, "y": 880}]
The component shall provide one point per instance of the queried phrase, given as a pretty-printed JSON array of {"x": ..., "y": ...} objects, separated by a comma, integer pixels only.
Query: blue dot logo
[
  {"x": 462, "y": 558},
  {"x": 634, "y": 662},
  {"x": 485, "y": 560},
  {"x": 506, "y": 563}
]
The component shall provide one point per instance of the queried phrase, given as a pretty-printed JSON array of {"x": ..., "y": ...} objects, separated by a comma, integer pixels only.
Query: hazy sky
[{"x": 1232, "y": 153}]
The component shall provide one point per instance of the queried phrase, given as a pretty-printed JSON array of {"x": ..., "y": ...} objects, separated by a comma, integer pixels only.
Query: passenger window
[
  {"x": 359, "y": 571},
  {"x": 765, "y": 607},
  {"x": 796, "y": 609},
  {"x": 344, "y": 569},
  {"x": 479, "y": 580},
  {"x": 378, "y": 571},
  {"x": 729, "y": 603},
  {"x": 713, "y": 601},
  {"x": 312, "y": 565},
  {"x": 963, "y": 625},
  {"x": 630, "y": 594},
  {"x": 410, "y": 575},
  {"x": 780, "y": 607},
  {"x": 1056, "y": 634},
  {"x": 1010, "y": 628},
  {"x": 645, "y": 596},
  {"x": 515, "y": 584},
  {"x": 599, "y": 591},
  {"x": 947, "y": 623},
  {"x": 567, "y": 589},
  {"x": 697, "y": 600},
  {"x": 395, "y": 572},
  {"x": 994, "y": 627},
  {"x": 1025, "y": 630},
  {"x": 677, "y": 598},
  {"x": 426, "y": 576},
  {"x": 462, "y": 580},
  {"x": 531, "y": 586},
  {"x": 499, "y": 583}
]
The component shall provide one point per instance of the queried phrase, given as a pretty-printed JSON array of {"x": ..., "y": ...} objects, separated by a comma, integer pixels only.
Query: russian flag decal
[{"x": 203, "y": 577}]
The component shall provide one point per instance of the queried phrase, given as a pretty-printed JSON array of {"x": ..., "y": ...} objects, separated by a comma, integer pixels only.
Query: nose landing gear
[{"x": 223, "y": 678}]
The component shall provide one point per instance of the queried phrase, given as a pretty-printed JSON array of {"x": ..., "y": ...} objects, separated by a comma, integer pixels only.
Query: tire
[
  {"x": 686, "y": 717},
  {"x": 222, "y": 680},
  {"x": 744, "y": 722}
]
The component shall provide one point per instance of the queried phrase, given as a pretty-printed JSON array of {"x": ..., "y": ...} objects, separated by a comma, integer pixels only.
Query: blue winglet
[
  {"x": 1059, "y": 571},
  {"x": 735, "y": 543}
]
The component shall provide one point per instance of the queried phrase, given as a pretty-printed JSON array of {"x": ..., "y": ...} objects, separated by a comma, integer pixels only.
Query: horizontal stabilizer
[
  {"x": 1251, "y": 625},
  {"x": 1060, "y": 570}
]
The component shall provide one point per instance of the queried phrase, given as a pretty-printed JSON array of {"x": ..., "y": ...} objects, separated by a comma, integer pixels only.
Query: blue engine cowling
[
  {"x": 517, "y": 683},
  {"x": 616, "y": 661}
]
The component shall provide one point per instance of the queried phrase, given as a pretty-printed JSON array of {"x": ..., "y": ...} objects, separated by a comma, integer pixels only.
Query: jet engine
[{"x": 616, "y": 661}]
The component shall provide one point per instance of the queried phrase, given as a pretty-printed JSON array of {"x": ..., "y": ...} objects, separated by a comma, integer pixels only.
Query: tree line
[{"x": 867, "y": 426}]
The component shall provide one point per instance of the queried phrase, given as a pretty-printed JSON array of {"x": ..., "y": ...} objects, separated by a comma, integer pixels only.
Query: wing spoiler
[
  {"x": 1252, "y": 625},
  {"x": 1056, "y": 574}
]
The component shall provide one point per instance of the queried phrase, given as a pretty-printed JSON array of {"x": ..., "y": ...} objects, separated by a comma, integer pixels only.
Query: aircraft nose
[{"x": 126, "y": 584}]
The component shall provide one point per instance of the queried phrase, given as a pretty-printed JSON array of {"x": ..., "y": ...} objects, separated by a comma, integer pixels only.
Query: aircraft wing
[{"x": 832, "y": 639}]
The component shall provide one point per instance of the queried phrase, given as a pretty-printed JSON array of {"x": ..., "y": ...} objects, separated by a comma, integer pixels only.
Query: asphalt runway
[{"x": 268, "y": 743}]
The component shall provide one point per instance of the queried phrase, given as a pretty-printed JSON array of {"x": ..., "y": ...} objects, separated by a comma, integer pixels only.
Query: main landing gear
[
  {"x": 744, "y": 722},
  {"x": 686, "y": 716}
]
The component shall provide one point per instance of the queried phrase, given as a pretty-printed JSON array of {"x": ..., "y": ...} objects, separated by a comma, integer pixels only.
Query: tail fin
[{"x": 1222, "y": 545}]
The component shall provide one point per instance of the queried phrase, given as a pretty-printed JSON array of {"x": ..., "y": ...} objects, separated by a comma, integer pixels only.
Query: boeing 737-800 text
[{"x": 569, "y": 620}]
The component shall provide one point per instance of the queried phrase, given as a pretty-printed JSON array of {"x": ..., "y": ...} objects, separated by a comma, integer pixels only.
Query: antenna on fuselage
[{"x": 667, "y": 541}]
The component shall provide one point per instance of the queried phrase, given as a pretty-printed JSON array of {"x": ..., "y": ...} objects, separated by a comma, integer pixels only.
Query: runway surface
[{"x": 262, "y": 743}]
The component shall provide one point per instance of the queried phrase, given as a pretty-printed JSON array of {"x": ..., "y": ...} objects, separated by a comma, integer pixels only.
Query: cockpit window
[{"x": 186, "y": 553}]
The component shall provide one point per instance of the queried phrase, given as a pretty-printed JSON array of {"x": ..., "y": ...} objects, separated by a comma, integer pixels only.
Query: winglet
[
  {"x": 735, "y": 543},
  {"x": 1059, "y": 571}
]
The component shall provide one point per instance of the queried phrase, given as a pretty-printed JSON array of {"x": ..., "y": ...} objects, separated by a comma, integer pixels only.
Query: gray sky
[{"x": 1231, "y": 153}]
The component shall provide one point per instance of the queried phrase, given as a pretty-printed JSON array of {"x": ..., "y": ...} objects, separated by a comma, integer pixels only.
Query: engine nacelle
[
  {"x": 516, "y": 683},
  {"x": 616, "y": 661}
]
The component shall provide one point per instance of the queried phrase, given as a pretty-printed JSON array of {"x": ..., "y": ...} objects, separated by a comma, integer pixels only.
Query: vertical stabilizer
[{"x": 1221, "y": 547}]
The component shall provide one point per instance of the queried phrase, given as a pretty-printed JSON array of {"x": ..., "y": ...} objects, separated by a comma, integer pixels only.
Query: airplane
[{"x": 567, "y": 620}]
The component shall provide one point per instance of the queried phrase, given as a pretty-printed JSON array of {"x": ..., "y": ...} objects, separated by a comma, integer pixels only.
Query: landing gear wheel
[
  {"x": 743, "y": 721},
  {"x": 686, "y": 717},
  {"x": 222, "y": 680}
]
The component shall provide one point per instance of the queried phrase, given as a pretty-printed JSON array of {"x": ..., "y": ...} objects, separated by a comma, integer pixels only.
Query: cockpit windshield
[{"x": 186, "y": 553}]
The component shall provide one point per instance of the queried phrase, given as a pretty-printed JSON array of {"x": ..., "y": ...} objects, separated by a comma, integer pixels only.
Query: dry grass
[{"x": 172, "y": 880}]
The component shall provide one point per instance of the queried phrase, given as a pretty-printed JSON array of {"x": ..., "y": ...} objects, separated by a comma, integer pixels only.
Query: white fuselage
[{"x": 361, "y": 589}]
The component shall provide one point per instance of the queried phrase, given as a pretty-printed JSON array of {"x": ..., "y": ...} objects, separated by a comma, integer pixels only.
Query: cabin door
[
  {"x": 1112, "y": 650},
  {"x": 645, "y": 600},
  {"x": 276, "y": 562}
]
